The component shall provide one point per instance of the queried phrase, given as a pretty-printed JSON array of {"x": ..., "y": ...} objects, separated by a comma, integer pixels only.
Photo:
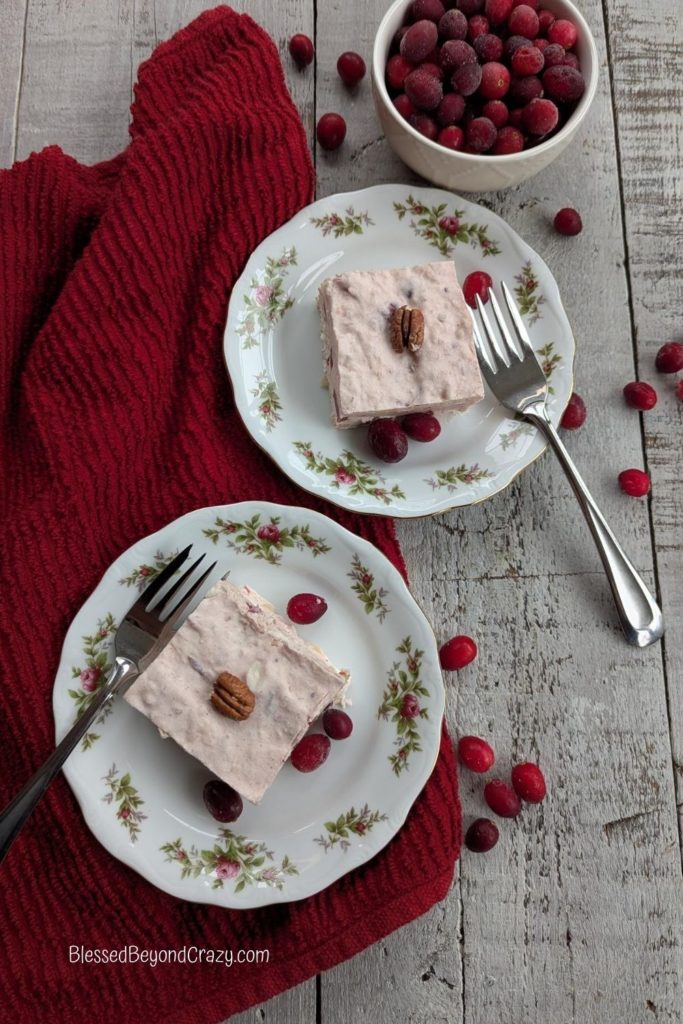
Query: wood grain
[{"x": 13, "y": 24}]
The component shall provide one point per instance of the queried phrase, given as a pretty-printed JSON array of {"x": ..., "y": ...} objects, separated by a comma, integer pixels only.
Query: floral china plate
[
  {"x": 273, "y": 352},
  {"x": 141, "y": 795}
]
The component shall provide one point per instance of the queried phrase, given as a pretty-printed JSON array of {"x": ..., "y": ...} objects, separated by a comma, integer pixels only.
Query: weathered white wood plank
[{"x": 12, "y": 21}]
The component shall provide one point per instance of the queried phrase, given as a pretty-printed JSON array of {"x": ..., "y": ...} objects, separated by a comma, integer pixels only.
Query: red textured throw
[{"x": 116, "y": 418}]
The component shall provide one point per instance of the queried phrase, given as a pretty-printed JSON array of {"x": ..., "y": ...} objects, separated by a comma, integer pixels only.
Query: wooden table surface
[{"x": 578, "y": 913}]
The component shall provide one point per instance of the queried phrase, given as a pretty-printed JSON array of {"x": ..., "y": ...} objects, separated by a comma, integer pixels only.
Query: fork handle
[
  {"x": 22, "y": 806},
  {"x": 639, "y": 614}
]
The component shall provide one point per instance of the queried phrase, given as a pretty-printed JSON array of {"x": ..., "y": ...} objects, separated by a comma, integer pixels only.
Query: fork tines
[{"x": 500, "y": 349}]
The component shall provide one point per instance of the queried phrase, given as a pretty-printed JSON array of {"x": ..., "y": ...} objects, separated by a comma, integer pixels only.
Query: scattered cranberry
[
  {"x": 568, "y": 221},
  {"x": 410, "y": 707},
  {"x": 331, "y": 131},
  {"x": 425, "y": 125},
  {"x": 634, "y": 482},
  {"x": 222, "y": 802},
  {"x": 640, "y": 395},
  {"x": 305, "y": 609},
  {"x": 423, "y": 426},
  {"x": 508, "y": 140},
  {"x": 388, "y": 440},
  {"x": 523, "y": 21},
  {"x": 476, "y": 754},
  {"x": 310, "y": 752},
  {"x": 574, "y": 416},
  {"x": 478, "y": 25},
  {"x": 455, "y": 53},
  {"x": 476, "y": 283},
  {"x": 527, "y": 60},
  {"x": 480, "y": 134},
  {"x": 497, "y": 11},
  {"x": 453, "y": 25},
  {"x": 451, "y": 109},
  {"x": 563, "y": 32},
  {"x": 457, "y": 652},
  {"x": 497, "y": 112},
  {"x": 396, "y": 70},
  {"x": 432, "y": 10},
  {"x": 419, "y": 40},
  {"x": 540, "y": 117},
  {"x": 351, "y": 68},
  {"x": 452, "y": 137},
  {"x": 502, "y": 799},
  {"x": 545, "y": 20},
  {"x": 679, "y": 389},
  {"x": 337, "y": 724},
  {"x": 495, "y": 81},
  {"x": 528, "y": 782},
  {"x": 525, "y": 89},
  {"x": 467, "y": 78},
  {"x": 403, "y": 105},
  {"x": 423, "y": 90},
  {"x": 670, "y": 357},
  {"x": 563, "y": 83},
  {"x": 481, "y": 836},
  {"x": 488, "y": 47},
  {"x": 301, "y": 49}
]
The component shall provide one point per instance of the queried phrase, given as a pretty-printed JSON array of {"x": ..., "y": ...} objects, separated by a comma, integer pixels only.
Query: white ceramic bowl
[{"x": 467, "y": 172}]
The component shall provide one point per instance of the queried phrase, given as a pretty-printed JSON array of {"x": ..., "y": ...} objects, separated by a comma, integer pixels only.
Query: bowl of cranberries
[{"x": 481, "y": 94}]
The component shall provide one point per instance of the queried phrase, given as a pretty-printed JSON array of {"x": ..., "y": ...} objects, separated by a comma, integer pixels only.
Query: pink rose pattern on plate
[
  {"x": 96, "y": 647},
  {"x": 444, "y": 231},
  {"x": 266, "y": 541},
  {"x": 146, "y": 572},
  {"x": 402, "y": 704},
  {"x": 234, "y": 859},
  {"x": 267, "y": 301},
  {"x": 347, "y": 470},
  {"x": 363, "y": 585},
  {"x": 341, "y": 225},
  {"x": 128, "y": 801},
  {"x": 353, "y": 823}
]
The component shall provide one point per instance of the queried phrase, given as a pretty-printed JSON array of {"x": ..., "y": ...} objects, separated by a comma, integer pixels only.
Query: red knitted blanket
[{"x": 116, "y": 418}]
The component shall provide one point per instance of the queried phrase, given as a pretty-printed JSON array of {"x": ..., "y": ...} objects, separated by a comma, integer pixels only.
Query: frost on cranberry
[
  {"x": 564, "y": 84},
  {"x": 425, "y": 125},
  {"x": 528, "y": 782},
  {"x": 502, "y": 799},
  {"x": 301, "y": 50},
  {"x": 477, "y": 26},
  {"x": 481, "y": 836},
  {"x": 476, "y": 283},
  {"x": 480, "y": 134},
  {"x": 523, "y": 21},
  {"x": 388, "y": 440},
  {"x": 527, "y": 60},
  {"x": 512, "y": 44},
  {"x": 419, "y": 40},
  {"x": 524, "y": 90},
  {"x": 432, "y": 10},
  {"x": 567, "y": 221},
  {"x": 497, "y": 11},
  {"x": 509, "y": 140},
  {"x": 467, "y": 78},
  {"x": 423, "y": 90},
  {"x": 540, "y": 117},
  {"x": 331, "y": 131},
  {"x": 351, "y": 68},
  {"x": 337, "y": 724},
  {"x": 574, "y": 416},
  {"x": 310, "y": 752},
  {"x": 222, "y": 802},
  {"x": 451, "y": 109},
  {"x": 453, "y": 25},
  {"x": 669, "y": 359},
  {"x": 488, "y": 47},
  {"x": 435, "y": 70},
  {"x": 396, "y": 71},
  {"x": 640, "y": 395},
  {"x": 403, "y": 105},
  {"x": 545, "y": 20},
  {"x": 497, "y": 112},
  {"x": 563, "y": 32},
  {"x": 495, "y": 81},
  {"x": 457, "y": 652},
  {"x": 554, "y": 55},
  {"x": 476, "y": 754},
  {"x": 455, "y": 53},
  {"x": 424, "y": 426},
  {"x": 305, "y": 609},
  {"x": 634, "y": 482}
]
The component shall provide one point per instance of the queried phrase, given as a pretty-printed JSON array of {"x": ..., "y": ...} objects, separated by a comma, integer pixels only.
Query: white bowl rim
[{"x": 573, "y": 122}]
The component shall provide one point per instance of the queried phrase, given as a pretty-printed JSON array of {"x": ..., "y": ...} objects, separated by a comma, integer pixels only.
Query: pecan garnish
[
  {"x": 232, "y": 697},
  {"x": 407, "y": 329}
]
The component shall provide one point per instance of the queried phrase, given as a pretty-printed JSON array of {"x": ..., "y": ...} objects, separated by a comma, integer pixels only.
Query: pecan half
[
  {"x": 407, "y": 329},
  {"x": 232, "y": 697}
]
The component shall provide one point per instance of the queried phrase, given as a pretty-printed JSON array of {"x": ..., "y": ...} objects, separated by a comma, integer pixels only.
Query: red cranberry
[
  {"x": 574, "y": 416},
  {"x": 571, "y": 61},
  {"x": 497, "y": 11},
  {"x": 435, "y": 70},
  {"x": 451, "y": 109},
  {"x": 488, "y": 47},
  {"x": 476, "y": 283},
  {"x": 477, "y": 26},
  {"x": 419, "y": 40},
  {"x": 396, "y": 70},
  {"x": 476, "y": 754},
  {"x": 337, "y": 724},
  {"x": 545, "y": 20},
  {"x": 568, "y": 221},
  {"x": 452, "y": 137},
  {"x": 432, "y": 10},
  {"x": 331, "y": 131},
  {"x": 508, "y": 140},
  {"x": 670, "y": 357},
  {"x": 513, "y": 43},
  {"x": 563, "y": 32},
  {"x": 541, "y": 44},
  {"x": 310, "y": 752},
  {"x": 457, "y": 652},
  {"x": 516, "y": 119},
  {"x": 495, "y": 81},
  {"x": 540, "y": 117},
  {"x": 640, "y": 395},
  {"x": 533, "y": 4},
  {"x": 528, "y": 782},
  {"x": 553, "y": 55},
  {"x": 497, "y": 112},
  {"x": 388, "y": 440},
  {"x": 425, "y": 125},
  {"x": 423, "y": 90},
  {"x": 398, "y": 36},
  {"x": 679, "y": 389},
  {"x": 634, "y": 482},
  {"x": 222, "y": 802},
  {"x": 403, "y": 105},
  {"x": 453, "y": 25},
  {"x": 351, "y": 68},
  {"x": 455, "y": 53},
  {"x": 410, "y": 707},
  {"x": 301, "y": 49},
  {"x": 481, "y": 836},
  {"x": 423, "y": 426},
  {"x": 524, "y": 90},
  {"x": 469, "y": 7},
  {"x": 480, "y": 134},
  {"x": 467, "y": 79},
  {"x": 502, "y": 799},
  {"x": 563, "y": 83},
  {"x": 527, "y": 60},
  {"x": 523, "y": 21},
  {"x": 306, "y": 608}
]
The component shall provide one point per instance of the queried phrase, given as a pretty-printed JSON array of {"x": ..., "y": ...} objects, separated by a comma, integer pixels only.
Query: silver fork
[
  {"x": 516, "y": 378},
  {"x": 144, "y": 632}
]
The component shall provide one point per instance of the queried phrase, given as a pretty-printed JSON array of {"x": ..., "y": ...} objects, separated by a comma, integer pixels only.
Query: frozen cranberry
[
  {"x": 452, "y": 137},
  {"x": 497, "y": 11},
  {"x": 513, "y": 43},
  {"x": 670, "y": 357},
  {"x": 515, "y": 120},
  {"x": 509, "y": 140},
  {"x": 480, "y": 134},
  {"x": 524, "y": 90},
  {"x": 563, "y": 32},
  {"x": 497, "y": 112},
  {"x": 310, "y": 752},
  {"x": 435, "y": 70},
  {"x": 523, "y": 21},
  {"x": 571, "y": 61},
  {"x": 455, "y": 53},
  {"x": 495, "y": 81},
  {"x": 476, "y": 283},
  {"x": 337, "y": 724},
  {"x": 423, "y": 90},
  {"x": 388, "y": 440},
  {"x": 481, "y": 836},
  {"x": 459, "y": 650},
  {"x": 301, "y": 49},
  {"x": 331, "y": 131},
  {"x": 425, "y": 125},
  {"x": 467, "y": 79},
  {"x": 528, "y": 782},
  {"x": 488, "y": 47},
  {"x": 306, "y": 608},
  {"x": 351, "y": 68},
  {"x": 222, "y": 802},
  {"x": 477, "y": 26},
  {"x": 502, "y": 799},
  {"x": 545, "y": 20},
  {"x": 403, "y": 105},
  {"x": 468, "y": 7},
  {"x": 527, "y": 60},
  {"x": 568, "y": 221},
  {"x": 563, "y": 83},
  {"x": 396, "y": 70},
  {"x": 419, "y": 40},
  {"x": 679, "y": 389},
  {"x": 640, "y": 395},
  {"x": 553, "y": 55},
  {"x": 533, "y": 4},
  {"x": 451, "y": 109},
  {"x": 432, "y": 10},
  {"x": 453, "y": 25},
  {"x": 410, "y": 706},
  {"x": 476, "y": 754},
  {"x": 540, "y": 117},
  {"x": 541, "y": 44},
  {"x": 574, "y": 416},
  {"x": 423, "y": 426},
  {"x": 634, "y": 482}
]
